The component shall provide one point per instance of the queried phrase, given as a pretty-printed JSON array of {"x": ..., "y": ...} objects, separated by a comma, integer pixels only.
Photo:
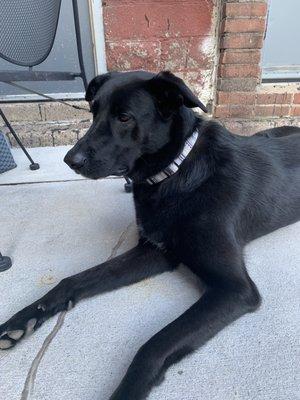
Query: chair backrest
[{"x": 27, "y": 30}]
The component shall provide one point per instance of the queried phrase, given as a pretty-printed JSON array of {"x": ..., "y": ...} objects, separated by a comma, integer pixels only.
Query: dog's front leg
[
  {"x": 229, "y": 295},
  {"x": 135, "y": 265}
]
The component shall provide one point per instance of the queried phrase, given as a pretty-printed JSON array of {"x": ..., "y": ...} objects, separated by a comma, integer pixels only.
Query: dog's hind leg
[
  {"x": 229, "y": 295},
  {"x": 215, "y": 310},
  {"x": 135, "y": 265}
]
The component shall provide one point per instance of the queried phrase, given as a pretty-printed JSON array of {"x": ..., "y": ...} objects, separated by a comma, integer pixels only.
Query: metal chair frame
[
  {"x": 15, "y": 76},
  {"x": 10, "y": 77}
]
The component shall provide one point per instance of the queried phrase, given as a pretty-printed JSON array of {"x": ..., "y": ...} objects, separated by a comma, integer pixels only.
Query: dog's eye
[{"x": 124, "y": 117}]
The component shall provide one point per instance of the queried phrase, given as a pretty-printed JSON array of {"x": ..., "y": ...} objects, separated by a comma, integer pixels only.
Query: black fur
[{"x": 229, "y": 191}]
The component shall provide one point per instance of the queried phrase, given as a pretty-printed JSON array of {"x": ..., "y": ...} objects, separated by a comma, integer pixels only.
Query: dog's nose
[{"x": 75, "y": 161}]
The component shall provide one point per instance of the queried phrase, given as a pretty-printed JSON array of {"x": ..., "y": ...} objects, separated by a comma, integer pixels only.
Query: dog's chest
[
  {"x": 157, "y": 227},
  {"x": 155, "y": 237}
]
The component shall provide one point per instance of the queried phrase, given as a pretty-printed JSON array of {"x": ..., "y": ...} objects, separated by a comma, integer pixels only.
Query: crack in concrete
[
  {"x": 120, "y": 241},
  {"x": 55, "y": 181},
  {"x": 30, "y": 379}
]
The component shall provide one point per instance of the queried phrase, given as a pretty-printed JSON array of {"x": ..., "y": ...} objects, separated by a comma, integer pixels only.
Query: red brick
[
  {"x": 153, "y": 2},
  {"x": 271, "y": 111},
  {"x": 243, "y": 25},
  {"x": 297, "y": 98},
  {"x": 234, "y": 111},
  {"x": 240, "y": 111},
  {"x": 240, "y": 70},
  {"x": 221, "y": 111},
  {"x": 241, "y": 41},
  {"x": 246, "y": 9},
  {"x": 194, "y": 79},
  {"x": 140, "y": 21},
  {"x": 127, "y": 55},
  {"x": 235, "y": 98},
  {"x": 295, "y": 111},
  {"x": 237, "y": 84},
  {"x": 185, "y": 54},
  {"x": 274, "y": 98},
  {"x": 240, "y": 57},
  {"x": 197, "y": 82}
]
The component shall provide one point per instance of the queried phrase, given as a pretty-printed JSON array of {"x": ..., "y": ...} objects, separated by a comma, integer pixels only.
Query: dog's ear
[
  {"x": 171, "y": 93},
  {"x": 95, "y": 85}
]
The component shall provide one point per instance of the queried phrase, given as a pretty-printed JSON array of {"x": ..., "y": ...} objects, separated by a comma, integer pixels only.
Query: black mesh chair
[{"x": 27, "y": 33}]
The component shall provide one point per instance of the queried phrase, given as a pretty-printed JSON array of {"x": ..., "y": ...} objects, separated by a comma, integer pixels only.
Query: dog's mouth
[
  {"x": 94, "y": 175},
  {"x": 122, "y": 171},
  {"x": 91, "y": 168}
]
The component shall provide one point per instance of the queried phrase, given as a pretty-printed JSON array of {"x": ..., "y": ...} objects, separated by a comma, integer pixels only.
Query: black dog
[{"x": 200, "y": 192}]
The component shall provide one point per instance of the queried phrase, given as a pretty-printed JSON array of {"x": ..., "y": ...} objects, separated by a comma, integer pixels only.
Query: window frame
[{"x": 278, "y": 73}]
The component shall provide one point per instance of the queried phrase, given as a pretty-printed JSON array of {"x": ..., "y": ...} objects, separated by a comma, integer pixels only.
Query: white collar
[{"x": 174, "y": 166}]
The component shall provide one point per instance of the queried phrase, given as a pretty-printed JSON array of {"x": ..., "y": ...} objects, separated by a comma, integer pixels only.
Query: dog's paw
[
  {"x": 19, "y": 326},
  {"x": 24, "y": 323},
  {"x": 13, "y": 333},
  {"x": 32, "y": 317},
  {"x": 29, "y": 319}
]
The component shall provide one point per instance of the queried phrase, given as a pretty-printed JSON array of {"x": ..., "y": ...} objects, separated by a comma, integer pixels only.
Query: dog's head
[{"x": 132, "y": 115}]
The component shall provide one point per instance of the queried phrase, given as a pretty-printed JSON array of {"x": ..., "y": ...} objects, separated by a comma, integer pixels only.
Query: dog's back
[
  {"x": 277, "y": 184},
  {"x": 280, "y": 131}
]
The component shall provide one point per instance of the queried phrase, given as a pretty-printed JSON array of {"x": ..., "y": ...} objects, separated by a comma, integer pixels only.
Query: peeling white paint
[{"x": 208, "y": 46}]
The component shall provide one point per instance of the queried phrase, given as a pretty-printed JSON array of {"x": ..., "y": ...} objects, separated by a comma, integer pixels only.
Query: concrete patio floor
[{"x": 59, "y": 225}]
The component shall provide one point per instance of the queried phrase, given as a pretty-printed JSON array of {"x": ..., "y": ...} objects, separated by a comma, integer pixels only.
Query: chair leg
[
  {"x": 5, "y": 263},
  {"x": 33, "y": 166},
  {"x": 127, "y": 185},
  {"x": 79, "y": 43}
]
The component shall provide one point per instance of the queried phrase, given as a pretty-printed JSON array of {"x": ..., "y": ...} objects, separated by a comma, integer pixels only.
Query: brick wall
[
  {"x": 178, "y": 35},
  {"x": 214, "y": 45},
  {"x": 244, "y": 103},
  {"x": 46, "y": 123}
]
